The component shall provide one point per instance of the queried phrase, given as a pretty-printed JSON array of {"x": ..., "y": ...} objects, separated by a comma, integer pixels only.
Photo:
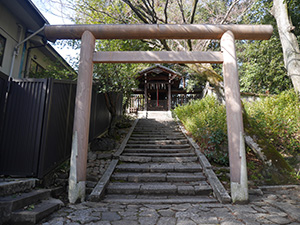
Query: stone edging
[
  {"x": 99, "y": 189},
  {"x": 219, "y": 190},
  {"x": 124, "y": 142},
  {"x": 278, "y": 187}
]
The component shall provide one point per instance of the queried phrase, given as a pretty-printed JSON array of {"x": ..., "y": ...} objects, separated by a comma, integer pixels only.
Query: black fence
[{"x": 37, "y": 126}]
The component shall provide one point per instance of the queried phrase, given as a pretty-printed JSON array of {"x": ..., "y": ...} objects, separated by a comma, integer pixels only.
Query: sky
[{"x": 54, "y": 16}]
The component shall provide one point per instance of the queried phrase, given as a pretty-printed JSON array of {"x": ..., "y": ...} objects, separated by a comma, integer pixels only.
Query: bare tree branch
[
  {"x": 166, "y": 46},
  {"x": 192, "y": 21},
  {"x": 245, "y": 10},
  {"x": 166, "y": 12},
  {"x": 136, "y": 11},
  {"x": 228, "y": 11},
  {"x": 149, "y": 10},
  {"x": 194, "y": 11},
  {"x": 207, "y": 43},
  {"x": 179, "y": 2},
  {"x": 102, "y": 12}
]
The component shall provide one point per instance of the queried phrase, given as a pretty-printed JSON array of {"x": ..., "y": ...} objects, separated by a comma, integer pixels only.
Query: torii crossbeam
[{"x": 227, "y": 56}]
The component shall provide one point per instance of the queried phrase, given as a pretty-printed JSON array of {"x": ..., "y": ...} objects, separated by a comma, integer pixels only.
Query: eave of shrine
[{"x": 159, "y": 74}]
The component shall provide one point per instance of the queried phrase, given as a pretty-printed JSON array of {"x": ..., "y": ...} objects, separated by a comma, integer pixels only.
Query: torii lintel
[{"x": 159, "y": 31}]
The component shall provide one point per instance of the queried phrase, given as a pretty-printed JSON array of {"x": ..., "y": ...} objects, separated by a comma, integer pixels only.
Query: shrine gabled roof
[{"x": 159, "y": 69}]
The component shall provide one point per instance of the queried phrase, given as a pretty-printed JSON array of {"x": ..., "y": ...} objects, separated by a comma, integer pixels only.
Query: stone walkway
[
  {"x": 268, "y": 205},
  {"x": 274, "y": 206},
  {"x": 157, "y": 166}
]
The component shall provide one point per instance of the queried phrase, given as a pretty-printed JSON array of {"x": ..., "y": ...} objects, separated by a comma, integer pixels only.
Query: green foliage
[
  {"x": 294, "y": 12},
  {"x": 261, "y": 66},
  {"x": 54, "y": 71},
  {"x": 163, "y": 12},
  {"x": 279, "y": 118},
  {"x": 206, "y": 120},
  {"x": 118, "y": 77},
  {"x": 274, "y": 124},
  {"x": 111, "y": 77}
]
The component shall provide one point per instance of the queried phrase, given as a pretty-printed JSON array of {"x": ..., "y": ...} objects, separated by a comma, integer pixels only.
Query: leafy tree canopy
[
  {"x": 261, "y": 62},
  {"x": 162, "y": 12},
  {"x": 261, "y": 66}
]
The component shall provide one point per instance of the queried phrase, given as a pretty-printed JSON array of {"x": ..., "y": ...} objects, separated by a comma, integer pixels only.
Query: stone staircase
[
  {"x": 157, "y": 164},
  {"x": 21, "y": 203}
]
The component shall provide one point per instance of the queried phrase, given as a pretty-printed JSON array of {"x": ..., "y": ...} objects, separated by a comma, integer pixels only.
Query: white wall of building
[{"x": 15, "y": 31}]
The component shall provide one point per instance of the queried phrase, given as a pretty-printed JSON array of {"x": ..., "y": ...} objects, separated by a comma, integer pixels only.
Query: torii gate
[{"x": 227, "y": 56}]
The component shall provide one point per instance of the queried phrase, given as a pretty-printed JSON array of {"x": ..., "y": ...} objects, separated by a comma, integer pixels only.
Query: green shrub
[
  {"x": 273, "y": 121},
  {"x": 278, "y": 117},
  {"x": 205, "y": 119}
]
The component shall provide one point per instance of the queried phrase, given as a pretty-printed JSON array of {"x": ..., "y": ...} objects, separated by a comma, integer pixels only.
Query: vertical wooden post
[
  {"x": 146, "y": 96},
  {"x": 78, "y": 165},
  {"x": 157, "y": 95},
  {"x": 235, "y": 129},
  {"x": 169, "y": 97}
]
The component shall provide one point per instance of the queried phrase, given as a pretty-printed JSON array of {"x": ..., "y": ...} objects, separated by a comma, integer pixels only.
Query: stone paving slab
[
  {"x": 140, "y": 177},
  {"x": 160, "y": 167},
  {"x": 157, "y": 138},
  {"x": 273, "y": 207},
  {"x": 177, "y": 142},
  {"x": 160, "y": 188},
  {"x": 145, "y": 150},
  {"x": 145, "y": 159},
  {"x": 174, "y": 159},
  {"x": 158, "y": 146},
  {"x": 181, "y": 177},
  {"x": 167, "y": 154}
]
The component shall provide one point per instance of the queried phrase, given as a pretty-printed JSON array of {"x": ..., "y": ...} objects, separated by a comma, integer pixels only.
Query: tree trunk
[
  {"x": 111, "y": 103},
  {"x": 288, "y": 41}
]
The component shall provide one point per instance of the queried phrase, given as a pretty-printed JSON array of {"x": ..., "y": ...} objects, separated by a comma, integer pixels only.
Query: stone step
[
  {"x": 158, "y": 177},
  {"x": 166, "y": 133},
  {"x": 159, "y": 142},
  {"x": 157, "y": 159},
  {"x": 158, "y": 138},
  {"x": 153, "y": 132},
  {"x": 154, "y": 199},
  {"x": 166, "y": 154},
  {"x": 155, "y": 129},
  {"x": 157, "y": 150},
  {"x": 165, "y": 136},
  {"x": 150, "y": 124},
  {"x": 161, "y": 146},
  {"x": 159, "y": 167},
  {"x": 35, "y": 213},
  {"x": 161, "y": 188},
  {"x": 18, "y": 201},
  {"x": 12, "y": 186},
  {"x": 155, "y": 126}
]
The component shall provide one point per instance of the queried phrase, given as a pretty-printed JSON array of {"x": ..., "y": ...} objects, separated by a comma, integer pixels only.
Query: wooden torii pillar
[{"x": 227, "y": 34}]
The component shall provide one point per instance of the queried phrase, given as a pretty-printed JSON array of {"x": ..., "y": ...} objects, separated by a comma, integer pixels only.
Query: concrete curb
[
  {"x": 219, "y": 190},
  {"x": 99, "y": 189},
  {"x": 124, "y": 142},
  {"x": 278, "y": 187}
]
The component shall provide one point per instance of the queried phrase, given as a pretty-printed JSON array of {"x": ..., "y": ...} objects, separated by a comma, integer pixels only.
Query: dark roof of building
[
  {"x": 157, "y": 69},
  {"x": 159, "y": 74},
  {"x": 26, "y": 12},
  {"x": 33, "y": 19}
]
